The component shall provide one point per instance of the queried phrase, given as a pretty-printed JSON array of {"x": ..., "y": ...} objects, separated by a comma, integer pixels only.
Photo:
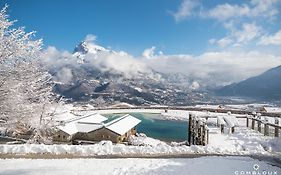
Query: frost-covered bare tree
[{"x": 25, "y": 87}]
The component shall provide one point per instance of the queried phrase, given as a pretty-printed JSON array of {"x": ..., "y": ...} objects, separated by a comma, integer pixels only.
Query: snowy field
[{"x": 193, "y": 166}]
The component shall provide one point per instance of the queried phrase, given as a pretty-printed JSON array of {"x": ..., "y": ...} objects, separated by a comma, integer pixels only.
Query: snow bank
[
  {"x": 243, "y": 141},
  {"x": 275, "y": 144},
  {"x": 143, "y": 140},
  {"x": 192, "y": 166}
]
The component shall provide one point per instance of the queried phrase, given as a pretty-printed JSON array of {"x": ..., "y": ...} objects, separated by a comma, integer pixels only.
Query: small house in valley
[{"x": 95, "y": 128}]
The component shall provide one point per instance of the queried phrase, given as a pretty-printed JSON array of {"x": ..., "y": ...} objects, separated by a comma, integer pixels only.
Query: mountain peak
[{"x": 87, "y": 47}]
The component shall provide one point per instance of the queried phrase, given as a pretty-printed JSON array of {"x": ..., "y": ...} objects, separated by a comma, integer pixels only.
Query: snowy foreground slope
[{"x": 195, "y": 166}]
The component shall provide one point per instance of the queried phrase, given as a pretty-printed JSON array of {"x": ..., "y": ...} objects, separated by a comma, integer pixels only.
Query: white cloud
[
  {"x": 243, "y": 20},
  {"x": 249, "y": 32},
  {"x": 238, "y": 37},
  {"x": 274, "y": 39},
  {"x": 266, "y": 8},
  {"x": 64, "y": 76},
  {"x": 224, "y": 42},
  {"x": 207, "y": 69},
  {"x": 90, "y": 38},
  {"x": 116, "y": 62},
  {"x": 185, "y": 9},
  {"x": 227, "y": 11},
  {"x": 216, "y": 68},
  {"x": 251, "y": 9},
  {"x": 52, "y": 57},
  {"x": 149, "y": 53}
]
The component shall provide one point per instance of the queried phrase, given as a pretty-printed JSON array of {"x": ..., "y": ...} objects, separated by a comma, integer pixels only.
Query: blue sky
[
  {"x": 124, "y": 25},
  {"x": 224, "y": 40}
]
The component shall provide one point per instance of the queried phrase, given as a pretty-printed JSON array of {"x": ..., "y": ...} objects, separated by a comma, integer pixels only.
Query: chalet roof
[
  {"x": 93, "y": 118},
  {"x": 83, "y": 124},
  {"x": 93, "y": 122},
  {"x": 122, "y": 124}
]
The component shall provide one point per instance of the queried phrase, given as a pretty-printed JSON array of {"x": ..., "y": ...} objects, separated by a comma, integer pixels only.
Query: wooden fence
[
  {"x": 263, "y": 126},
  {"x": 198, "y": 132}
]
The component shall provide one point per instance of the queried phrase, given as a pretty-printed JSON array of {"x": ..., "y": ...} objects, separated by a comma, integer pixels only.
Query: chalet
[
  {"x": 82, "y": 124},
  {"x": 90, "y": 129},
  {"x": 117, "y": 130}
]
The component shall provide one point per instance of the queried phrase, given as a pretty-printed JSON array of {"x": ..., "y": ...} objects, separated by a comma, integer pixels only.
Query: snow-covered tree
[{"x": 25, "y": 87}]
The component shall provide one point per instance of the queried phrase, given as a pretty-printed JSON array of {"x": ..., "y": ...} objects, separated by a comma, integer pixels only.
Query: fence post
[
  {"x": 197, "y": 128},
  {"x": 193, "y": 131},
  {"x": 259, "y": 122},
  {"x": 189, "y": 128},
  {"x": 247, "y": 122},
  {"x": 232, "y": 130},
  {"x": 207, "y": 135},
  {"x": 222, "y": 128},
  {"x": 253, "y": 124},
  {"x": 204, "y": 134},
  {"x": 276, "y": 133},
  {"x": 266, "y": 127},
  {"x": 259, "y": 125}
]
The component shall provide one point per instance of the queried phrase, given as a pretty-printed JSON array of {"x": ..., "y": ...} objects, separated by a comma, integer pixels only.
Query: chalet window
[
  {"x": 58, "y": 136},
  {"x": 63, "y": 136},
  {"x": 108, "y": 137}
]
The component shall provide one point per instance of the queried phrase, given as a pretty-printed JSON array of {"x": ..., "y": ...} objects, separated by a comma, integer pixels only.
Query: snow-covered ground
[
  {"x": 193, "y": 166},
  {"x": 244, "y": 141}
]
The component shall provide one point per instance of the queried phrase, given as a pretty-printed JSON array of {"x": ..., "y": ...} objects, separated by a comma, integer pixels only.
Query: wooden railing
[
  {"x": 192, "y": 109},
  {"x": 263, "y": 126}
]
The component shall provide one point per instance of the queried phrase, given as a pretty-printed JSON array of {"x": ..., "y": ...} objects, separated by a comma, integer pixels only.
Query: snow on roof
[
  {"x": 83, "y": 124},
  {"x": 75, "y": 127},
  {"x": 88, "y": 127},
  {"x": 69, "y": 128},
  {"x": 123, "y": 124},
  {"x": 93, "y": 118}
]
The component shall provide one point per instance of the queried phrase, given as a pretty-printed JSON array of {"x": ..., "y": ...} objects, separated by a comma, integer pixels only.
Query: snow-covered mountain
[
  {"x": 266, "y": 86},
  {"x": 87, "y": 47},
  {"x": 105, "y": 76},
  {"x": 84, "y": 48}
]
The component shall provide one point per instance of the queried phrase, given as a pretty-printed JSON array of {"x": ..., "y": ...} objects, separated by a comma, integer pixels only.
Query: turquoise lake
[{"x": 153, "y": 126}]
